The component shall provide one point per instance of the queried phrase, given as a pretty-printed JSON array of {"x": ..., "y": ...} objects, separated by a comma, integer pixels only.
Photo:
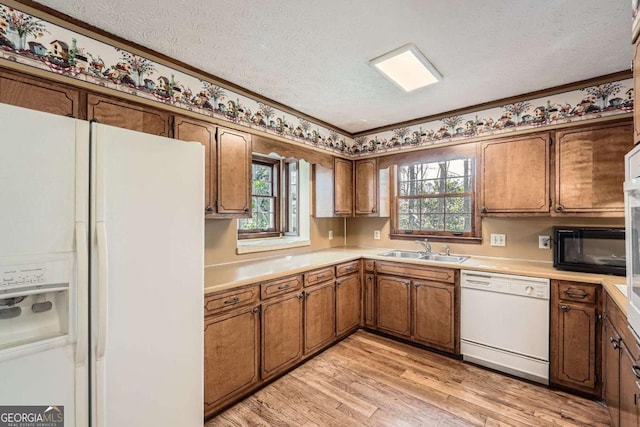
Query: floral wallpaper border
[
  {"x": 35, "y": 42},
  {"x": 591, "y": 102}
]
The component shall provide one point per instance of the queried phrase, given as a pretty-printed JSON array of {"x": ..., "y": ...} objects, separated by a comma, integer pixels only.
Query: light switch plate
[
  {"x": 330, "y": 234},
  {"x": 498, "y": 239}
]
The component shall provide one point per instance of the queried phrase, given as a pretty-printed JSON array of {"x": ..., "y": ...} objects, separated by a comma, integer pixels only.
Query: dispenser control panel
[{"x": 15, "y": 277}]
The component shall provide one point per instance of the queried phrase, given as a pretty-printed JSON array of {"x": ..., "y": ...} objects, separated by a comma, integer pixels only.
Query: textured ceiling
[{"x": 312, "y": 55}]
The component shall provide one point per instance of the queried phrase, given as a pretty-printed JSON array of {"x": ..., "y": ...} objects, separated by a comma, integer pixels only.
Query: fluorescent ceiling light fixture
[{"x": 407, "y": 67}]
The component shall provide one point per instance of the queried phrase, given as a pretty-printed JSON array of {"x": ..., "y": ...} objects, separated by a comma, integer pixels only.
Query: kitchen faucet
[
  {"x": 447, "y": 250},
  {"x": 425, "y": 244}
]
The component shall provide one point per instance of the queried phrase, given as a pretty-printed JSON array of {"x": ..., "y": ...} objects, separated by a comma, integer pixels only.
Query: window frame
[
  {"x": 473, "y": 236},
  {"x": 279, "y": 190}
]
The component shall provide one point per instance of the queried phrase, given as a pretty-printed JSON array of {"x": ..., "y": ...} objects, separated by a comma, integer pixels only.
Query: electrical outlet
[
  {"x": 544, "y": 242},
  {"x": 330, "y": 234},
  {"x": 376, "y": 234},
  {"x": 498, "y": 239}
]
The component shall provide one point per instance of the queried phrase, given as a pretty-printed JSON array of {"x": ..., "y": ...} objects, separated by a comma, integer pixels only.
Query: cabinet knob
[
  {"x": 564, "y": 308},
  {"x": 373, "y": 210},
  {"x": 483, "y": 210},
  {"x": 255, "y": 310},
  {"x": 209, "y": 209},
  {"x": 614, "y": 343},
  {"x": 246, "y": 209},
  {"x": 559, "y": 208}
]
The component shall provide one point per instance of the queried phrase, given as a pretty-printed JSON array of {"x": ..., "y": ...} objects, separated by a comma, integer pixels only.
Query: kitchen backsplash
[{"x": 35, "y": 42}]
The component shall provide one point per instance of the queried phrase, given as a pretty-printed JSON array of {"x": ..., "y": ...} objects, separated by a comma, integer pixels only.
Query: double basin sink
[{"x": 425, "y": 256}]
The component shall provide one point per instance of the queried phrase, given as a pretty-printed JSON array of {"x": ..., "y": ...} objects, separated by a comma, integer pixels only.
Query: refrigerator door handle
[
  {"x": 101, "y": 234},
  {"x": 82, "y": 295}
]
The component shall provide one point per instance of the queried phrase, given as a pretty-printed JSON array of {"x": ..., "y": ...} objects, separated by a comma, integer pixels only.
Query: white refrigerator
[{"x": 101, "y": 272}]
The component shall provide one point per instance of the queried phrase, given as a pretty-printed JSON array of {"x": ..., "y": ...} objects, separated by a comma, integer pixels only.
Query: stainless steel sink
[
  {"x": 445, "y": 258},
  {"x": 422, "y": 255},
  {"x": 403, "y": 254}
]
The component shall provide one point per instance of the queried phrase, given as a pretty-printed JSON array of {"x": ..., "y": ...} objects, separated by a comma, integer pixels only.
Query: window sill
[
  {"x": 250, "y": 246},
  {"x": 450, "y": 239}
]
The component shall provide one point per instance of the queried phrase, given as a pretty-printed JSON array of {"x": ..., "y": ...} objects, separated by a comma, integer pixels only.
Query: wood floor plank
[{"x": 369, "y": 380}]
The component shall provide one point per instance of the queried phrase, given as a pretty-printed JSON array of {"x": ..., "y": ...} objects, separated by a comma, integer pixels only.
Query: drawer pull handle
[
  {"x": 477, "y": 282},
  {"x": 232, "y": 301},
  {"x": 614, "y": 343},
  {"x": 283, "y": 287},
  {"x": 576, "y": 294},
  {"x": 564, "y": 308},
  {"x": 320, "y": 276},
  {"x": 636, "y": 370}
]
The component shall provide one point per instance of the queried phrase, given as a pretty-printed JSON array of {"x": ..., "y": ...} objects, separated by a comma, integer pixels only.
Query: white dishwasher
[{"x": 504, "y": 323}]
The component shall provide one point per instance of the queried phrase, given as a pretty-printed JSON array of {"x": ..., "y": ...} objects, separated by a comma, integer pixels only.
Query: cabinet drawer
[
  {"x": 431, "y": 273},
  {"x": 347, "y": 268},
  {"x": 579, "y": 292},
  {"x": 369, "y": 265},
  {"x": 224, "y": 301},
  {"x": 280, "y": 286},
  {"x": 319, "y": 276}
]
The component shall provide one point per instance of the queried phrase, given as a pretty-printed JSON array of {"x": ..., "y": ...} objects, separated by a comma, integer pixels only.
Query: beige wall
[
  {"x": 522, "y": 235},
  {"x": 220, "y": 240}
]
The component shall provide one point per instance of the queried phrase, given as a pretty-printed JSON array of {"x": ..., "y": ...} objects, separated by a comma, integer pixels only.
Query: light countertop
[{"x": 230, "y": 275}]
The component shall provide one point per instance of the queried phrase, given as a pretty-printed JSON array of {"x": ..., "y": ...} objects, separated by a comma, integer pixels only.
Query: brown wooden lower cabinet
[
  {"x": 611, "y": 370},
  {"x": 319, "y": 316},
  {"x": 231, "y": 356},
  {"x": 629, "y": 389},
  {"x": 348, "y": 303},
  {"x": 434, "y": 315},
  {"x": 621, "y": 390},
  {"x": 575, "y": 336},
  {"x": 281, "y": 334},
  {"x": 393, "y": 305},
  {"x": 370, "y": 300}
]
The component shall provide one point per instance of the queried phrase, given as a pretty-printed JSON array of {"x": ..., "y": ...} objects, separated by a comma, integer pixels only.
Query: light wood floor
[{"x": 367, "y": 380}]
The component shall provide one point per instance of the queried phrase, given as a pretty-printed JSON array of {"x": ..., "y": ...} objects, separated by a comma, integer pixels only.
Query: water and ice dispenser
[{"x": 34, "y": 303}]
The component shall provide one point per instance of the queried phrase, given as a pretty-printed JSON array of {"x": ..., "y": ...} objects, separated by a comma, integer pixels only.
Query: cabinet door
[
  {"x": 128, "y": 115},
  {"x": 366, "y": 187},
  {"x": 590, "y": 169},
  {"x": 393, "y": 305},
  {"x": 281, "y": 334},
  {"x": 636, "y": 95},
  {"x": 187, "y": 129},
  {"x": 629, "y": 389},
  {"x": 233, "y": 178},
  {"x": 40, "y": 95},
  {"x": 611, "y": 368},
  {"x": 231, "y": 356},
  {"x": 434, "y": 315},
  {"x": 348, "y": 303},
  {"x": 319, "y": 316},
  {"x": 343, "y": 187},
  {"x": 370, "y": 300},
  {"x": 573, "y": 353},
  {"x": 515, "y": 175}
]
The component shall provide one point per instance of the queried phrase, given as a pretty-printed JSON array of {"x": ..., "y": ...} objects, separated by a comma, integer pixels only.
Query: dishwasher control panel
[{"x": 533, "y": 287}]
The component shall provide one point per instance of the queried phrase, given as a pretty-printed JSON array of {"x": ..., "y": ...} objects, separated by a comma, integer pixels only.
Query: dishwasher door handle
[{"x": 478, "y": 282}]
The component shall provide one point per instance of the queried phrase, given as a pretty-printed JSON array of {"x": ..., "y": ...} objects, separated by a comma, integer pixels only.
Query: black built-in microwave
[{"x": 590, "y": 250}]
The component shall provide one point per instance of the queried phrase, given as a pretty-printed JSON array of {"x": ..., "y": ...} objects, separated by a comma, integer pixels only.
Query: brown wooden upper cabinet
[
  {"x": 589, "y": 169},
  {"x": 233, "y": 177},
  {"x": 227, "y": 166},
  {"x": 127, "y": 115},
  {"x": 40, "y": 95},
  {"x": 366, "y": 187},
  {"x": 187, "y": 129},
  {"x": 515, "y": 176},
  {"x": 343, "y": 187}
]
